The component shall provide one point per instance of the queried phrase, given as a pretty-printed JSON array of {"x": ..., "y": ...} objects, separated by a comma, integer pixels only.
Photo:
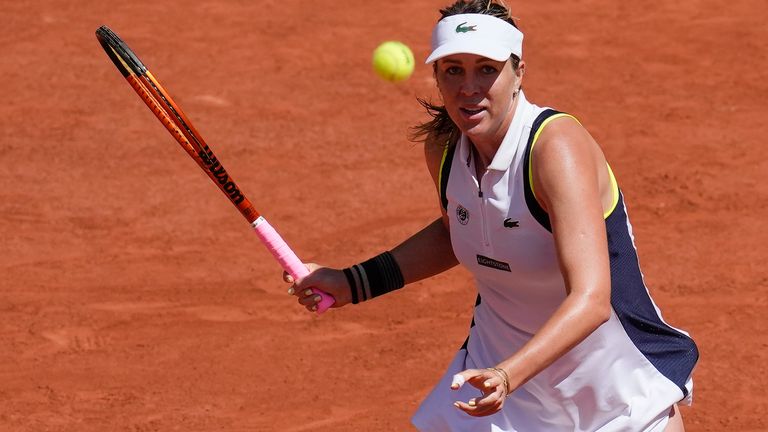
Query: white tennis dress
[{"x": 625, "y": 376}]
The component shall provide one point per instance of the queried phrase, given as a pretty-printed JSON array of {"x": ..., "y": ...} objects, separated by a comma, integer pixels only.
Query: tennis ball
[{"x": 393, "y": 61}]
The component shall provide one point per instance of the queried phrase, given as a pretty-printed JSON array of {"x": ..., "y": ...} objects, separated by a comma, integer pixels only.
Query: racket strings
[
  {"x": 167, "y": 102},
  {"x": 162, "y": 114},
  {"x": 172, "y": 118},
  {"x": 182, "y": 128}
]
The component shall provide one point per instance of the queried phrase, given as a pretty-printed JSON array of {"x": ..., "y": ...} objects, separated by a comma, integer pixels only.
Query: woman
[{"x": 565, "y": 335}]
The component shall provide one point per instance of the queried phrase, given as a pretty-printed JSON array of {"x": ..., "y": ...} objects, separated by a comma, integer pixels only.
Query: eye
[
  {"x": 453, "y": 70},
  {"x": 488, "y": 70}
]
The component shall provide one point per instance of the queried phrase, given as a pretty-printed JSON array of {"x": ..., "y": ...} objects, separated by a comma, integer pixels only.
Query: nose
[
  {"x": 469, "y": 85},
  {"x": 469, "y": 88}
]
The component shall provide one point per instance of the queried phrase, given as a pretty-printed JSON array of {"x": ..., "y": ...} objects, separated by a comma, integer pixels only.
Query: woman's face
[{"x": 478, "y": 94}]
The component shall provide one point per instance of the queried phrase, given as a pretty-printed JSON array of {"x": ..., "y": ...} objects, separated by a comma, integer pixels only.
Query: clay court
[{"x": 133, "y": 296}]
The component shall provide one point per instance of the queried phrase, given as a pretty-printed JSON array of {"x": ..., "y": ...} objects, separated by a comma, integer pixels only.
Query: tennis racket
[{"x": 176, "y": 122}]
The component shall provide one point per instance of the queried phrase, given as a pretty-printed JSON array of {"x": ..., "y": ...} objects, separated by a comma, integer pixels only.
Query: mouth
[{"x": 471, "y": 112}]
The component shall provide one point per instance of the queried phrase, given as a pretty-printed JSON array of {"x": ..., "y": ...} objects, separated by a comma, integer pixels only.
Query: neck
[
  {"x": 485, "y": 149},
  {"x": 481, "y": 162}
]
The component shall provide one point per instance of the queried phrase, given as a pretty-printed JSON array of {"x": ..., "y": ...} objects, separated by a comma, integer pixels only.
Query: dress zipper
[{"x": 483, "y": 222}]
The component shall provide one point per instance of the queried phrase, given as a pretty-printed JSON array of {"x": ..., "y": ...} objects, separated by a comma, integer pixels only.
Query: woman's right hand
[{"x": 326, "y": 279}]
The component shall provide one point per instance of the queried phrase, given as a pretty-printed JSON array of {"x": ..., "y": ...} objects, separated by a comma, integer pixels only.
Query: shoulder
[
  {"x": 561, "y": 139},
  {"x": 560, "y": 129},
  {"x": 564, "y": 156},
  {"x": 435, "y": 146}
]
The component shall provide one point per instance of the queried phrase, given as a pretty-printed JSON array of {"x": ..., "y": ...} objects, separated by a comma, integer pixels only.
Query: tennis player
[{"x": 565, "y": 336}]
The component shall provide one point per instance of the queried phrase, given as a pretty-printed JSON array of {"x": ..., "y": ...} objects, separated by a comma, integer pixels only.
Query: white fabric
[
  {"x": 603, "y": 384},
  {"x": 479, "y": 34}
]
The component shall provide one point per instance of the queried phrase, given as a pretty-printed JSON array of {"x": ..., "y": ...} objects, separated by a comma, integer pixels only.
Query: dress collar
[{"x": 509, "y": 145}]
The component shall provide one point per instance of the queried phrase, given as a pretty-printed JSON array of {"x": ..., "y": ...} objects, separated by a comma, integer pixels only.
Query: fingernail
[
  {"x": 314, "y": 308},
  {"x": 487, "y": 383},
  {"x": 454, "y": 386},
  {"x": 308, "y": 292},
  {"x": 291, "y": 291},
  {"x": 471, "y": 402},
  {"x": 317, "y": 299},
  {"x": 456, "y": 404}
]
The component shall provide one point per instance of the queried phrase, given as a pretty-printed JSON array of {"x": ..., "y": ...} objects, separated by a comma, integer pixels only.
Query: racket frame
[{"x": 159, "y": 101}]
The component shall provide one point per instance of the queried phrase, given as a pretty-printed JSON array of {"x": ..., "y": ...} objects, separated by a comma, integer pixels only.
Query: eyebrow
[{"x": 482, "y": 60}]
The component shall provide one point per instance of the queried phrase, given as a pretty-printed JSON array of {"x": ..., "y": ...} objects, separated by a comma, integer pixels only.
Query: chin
[{"x": 475, "y": 131}]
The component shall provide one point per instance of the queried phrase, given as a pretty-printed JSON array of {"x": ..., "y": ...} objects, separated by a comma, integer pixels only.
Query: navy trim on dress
[
  {"x": 466, "y": 341},
  {"x": 445, "y": 171},
  {"x": 536, "y": 210},
  {"x": 670, "y": 351}
]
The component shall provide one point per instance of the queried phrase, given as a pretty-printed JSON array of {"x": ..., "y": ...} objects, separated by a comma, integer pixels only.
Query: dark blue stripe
[
  {"x": 672, "y": 353},
  {"x": 536, "y": 210},
  {"x": 445, "y": 171},
  {"x": 466, "y": 341}
]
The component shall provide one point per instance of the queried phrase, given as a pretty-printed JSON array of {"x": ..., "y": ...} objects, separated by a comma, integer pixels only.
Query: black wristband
[
  {"x": 362, "y": 286},
  {"x": 377, "y": 276},
  {"x": 352, "y": 285},
  {"x": 383, "y": 274}
]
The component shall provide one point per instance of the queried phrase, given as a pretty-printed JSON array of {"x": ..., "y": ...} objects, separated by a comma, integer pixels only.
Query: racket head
[
  {"x": 126, "y": 61},
  {"x": 129, "y": 64},
  {"x": 171, "y": 116}
]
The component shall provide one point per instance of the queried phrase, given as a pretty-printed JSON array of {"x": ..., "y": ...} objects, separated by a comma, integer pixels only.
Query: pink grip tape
[{"x": 287, "y": 259}]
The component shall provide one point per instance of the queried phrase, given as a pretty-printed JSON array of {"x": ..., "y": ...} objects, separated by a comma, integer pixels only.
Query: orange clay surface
[{"x": 134, "y": 297}]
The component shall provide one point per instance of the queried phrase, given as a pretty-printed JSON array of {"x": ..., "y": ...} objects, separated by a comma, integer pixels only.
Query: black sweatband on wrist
[
  {"x": 383, "y": 274},
  {"x": 352, "y": 284},
  {"x": 377, "y": 276},
  {"x": 362, "y": 282}
]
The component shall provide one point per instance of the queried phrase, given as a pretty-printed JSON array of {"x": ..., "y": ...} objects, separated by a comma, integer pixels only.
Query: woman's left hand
[{"x": 490, "y": 382}]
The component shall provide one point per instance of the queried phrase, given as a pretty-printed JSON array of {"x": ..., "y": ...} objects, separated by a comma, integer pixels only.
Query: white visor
[{"x": 479, "y": 34}]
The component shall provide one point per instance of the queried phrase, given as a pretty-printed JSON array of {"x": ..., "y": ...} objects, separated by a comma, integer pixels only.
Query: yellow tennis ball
[{"x": 393, "y": 61}]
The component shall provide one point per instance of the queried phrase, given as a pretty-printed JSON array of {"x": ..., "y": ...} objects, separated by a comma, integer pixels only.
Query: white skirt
[{"x": 614, "y": 394}]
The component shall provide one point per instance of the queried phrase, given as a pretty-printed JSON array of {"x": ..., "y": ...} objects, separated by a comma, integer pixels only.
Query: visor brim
[{"x": 488, "y": 50}]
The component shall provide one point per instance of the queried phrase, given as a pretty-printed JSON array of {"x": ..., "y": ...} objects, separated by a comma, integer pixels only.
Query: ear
[{"x": 520, "y": 70}]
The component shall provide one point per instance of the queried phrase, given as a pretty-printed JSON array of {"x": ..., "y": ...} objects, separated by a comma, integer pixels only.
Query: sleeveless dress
[{"x": 624, "y": 376}]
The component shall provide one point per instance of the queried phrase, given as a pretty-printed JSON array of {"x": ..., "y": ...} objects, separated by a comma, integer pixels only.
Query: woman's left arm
[{"x": 571, "y": 182}]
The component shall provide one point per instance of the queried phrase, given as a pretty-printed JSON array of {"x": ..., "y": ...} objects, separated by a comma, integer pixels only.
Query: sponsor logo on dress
[
  {"x": 511, "y": 223},
  {"x": 462, "y": 215},
  {"x": 492, "y": 263}
]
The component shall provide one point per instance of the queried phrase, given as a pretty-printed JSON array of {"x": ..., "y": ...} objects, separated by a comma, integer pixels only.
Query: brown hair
[{"x": 440, "y": 123}]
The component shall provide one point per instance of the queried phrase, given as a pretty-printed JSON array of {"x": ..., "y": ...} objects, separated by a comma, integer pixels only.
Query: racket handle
[{"x": 287, "y": 259}]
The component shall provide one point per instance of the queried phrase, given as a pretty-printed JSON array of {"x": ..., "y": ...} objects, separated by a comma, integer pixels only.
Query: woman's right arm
[{"x": 424, "y": 254}]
